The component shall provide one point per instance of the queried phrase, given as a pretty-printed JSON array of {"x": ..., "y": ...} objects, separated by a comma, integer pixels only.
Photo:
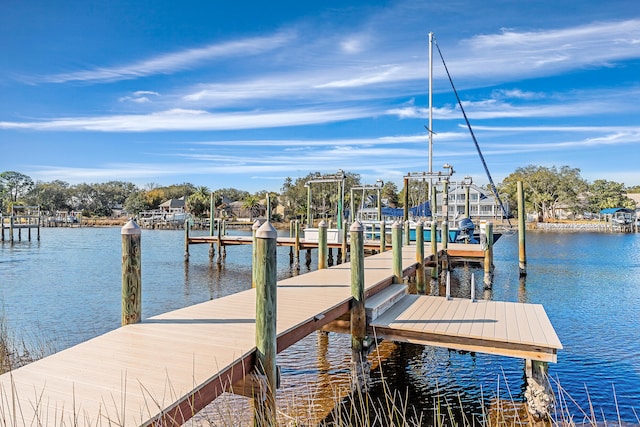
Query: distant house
[
  {"x": 483, "y": 204},
  {"x": 238, "y": 211},
  {"x": 172, "y": 206}
]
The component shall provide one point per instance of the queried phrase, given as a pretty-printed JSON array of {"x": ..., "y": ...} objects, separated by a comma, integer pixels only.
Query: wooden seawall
[{"x": 163, "y": 370}]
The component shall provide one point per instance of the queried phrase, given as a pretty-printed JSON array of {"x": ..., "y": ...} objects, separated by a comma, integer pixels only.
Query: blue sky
[{"x": 245, "y": 94}]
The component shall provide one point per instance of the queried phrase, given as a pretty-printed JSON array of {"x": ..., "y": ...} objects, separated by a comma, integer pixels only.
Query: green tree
[
  {"x": 252, "y": 204},
  {"x": 605, "y": 194},
  {"x": 546, "y": 189},
  {"x": 232, "y": 194},
  {"x": 177, "y": 191},
  {"x": 137, "y": 202},
  {"x": 390, "y": 193},
  {"x": 324, "y": 195},
  {"x": 50, "y": 196},
  {"x": 199, "y": 203},
  {"x": 14, "y": 186}
]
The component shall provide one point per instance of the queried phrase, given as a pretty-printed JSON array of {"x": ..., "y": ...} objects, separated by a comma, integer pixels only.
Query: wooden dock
[
  {"x": 462, "y": 250},
  {"x": 165, "y": 369}
]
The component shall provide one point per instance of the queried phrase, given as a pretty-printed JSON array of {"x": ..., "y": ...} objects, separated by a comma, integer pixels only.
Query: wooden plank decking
[
  {"x": 170, "y": 366},
  {"x": 454, "y": 249},
  {"x": 495, "y": 327}
]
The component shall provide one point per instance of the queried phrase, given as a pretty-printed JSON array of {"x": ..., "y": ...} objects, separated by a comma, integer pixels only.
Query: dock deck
[{"x": 165, "y": 369}]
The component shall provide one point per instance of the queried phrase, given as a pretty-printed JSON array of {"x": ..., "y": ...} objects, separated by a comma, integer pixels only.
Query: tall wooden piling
[
  {"x": 396, "y": 244},
  {"x": 467, "y": 202},
  {"x": 254, "y": 252},
  {"x": 420, "y": 276},
  {"x": 186, "y": 240},
  {"x": 407, "y": 234},
  {"x": 444, "y": 239},
  {"x": 322, "y": 245},
  {"x": 488, "y": 254},
  {"x": 358, "y": 313},
  {"x": 266, "y": 304},
  {"x": 383, "y": 236},
  {"x": 212, "y": 221},
  {"x": 131, "y": 273},
  {"x": 344, "y": 241},
  {"x": 522, "y": 229},
  {"x": 297, "y": 245},
  {"x": 406, "y": 199},
  {"x": 538, "y": 393},
  {"x": 434, "y": 253}
]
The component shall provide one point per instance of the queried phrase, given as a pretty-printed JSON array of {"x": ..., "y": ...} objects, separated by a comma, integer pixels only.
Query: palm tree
[{"x": 252, "y": 203}]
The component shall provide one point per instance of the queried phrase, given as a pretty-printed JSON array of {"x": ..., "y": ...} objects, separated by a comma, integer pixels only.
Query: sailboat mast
[{"x": 430, "y": 102}]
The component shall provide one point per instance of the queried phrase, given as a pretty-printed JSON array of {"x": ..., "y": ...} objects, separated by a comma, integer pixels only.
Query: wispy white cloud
[
  {"x": 177, "y": 61},
  {"x": 188, "y": 120},
  {"x": 140, "y": 97}
]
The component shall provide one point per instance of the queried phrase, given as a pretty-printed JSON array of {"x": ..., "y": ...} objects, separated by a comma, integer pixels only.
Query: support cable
[{"x": 475, "y": 141}]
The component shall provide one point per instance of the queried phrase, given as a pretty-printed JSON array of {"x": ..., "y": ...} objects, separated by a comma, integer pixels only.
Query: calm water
[{"x": 66, "y": 289}]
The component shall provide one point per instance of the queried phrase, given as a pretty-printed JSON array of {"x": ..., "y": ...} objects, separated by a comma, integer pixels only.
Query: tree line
[{"x": 547, "y": 189}]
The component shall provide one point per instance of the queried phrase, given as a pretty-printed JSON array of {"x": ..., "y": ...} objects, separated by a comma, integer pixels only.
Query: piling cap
[
  {"x": 266, "y": 231},
  {"x": 419, "y": 224},
  {"x": 356, "y": 226},
  {"x": 131, "y": 229},
  {"x": 323, "y": 224},
  {"x": 396, "y": 224}
]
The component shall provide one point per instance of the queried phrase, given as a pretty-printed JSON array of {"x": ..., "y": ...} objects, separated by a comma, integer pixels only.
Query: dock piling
[
  {"x": 131, "y": 273},
  {"x": 322, "y": 245},
  {"x": 396, "y": 244},
  {"x": 266, "y": 303},
  {"x": 434, "y": 254},
  {"x": 444, "y": 238},
  {"x": 297, "y": 245},
  {"x": 522, "y": 252},
  {"x": 486, "y": 240},
  {"x": 186, "y": 241},
  {"x": 254, "y": 252},
  {"x": 420, "y": 277},
  {"x": 383, "y": 236},
  {"x": 538, "y": 394},
  {"x": 358, "y": 314}
]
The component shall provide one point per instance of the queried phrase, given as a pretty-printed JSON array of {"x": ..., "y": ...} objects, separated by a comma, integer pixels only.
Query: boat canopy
[
  {"x": 611, "y": 211},
  {"x": 421, "y": 210}
]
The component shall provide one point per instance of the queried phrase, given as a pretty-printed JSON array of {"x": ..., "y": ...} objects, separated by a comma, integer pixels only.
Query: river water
[{"x": 65, "y": 288}]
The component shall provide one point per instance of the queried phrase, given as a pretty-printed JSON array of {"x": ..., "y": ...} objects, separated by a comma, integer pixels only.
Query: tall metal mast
[{"x": 430, "y": 130}]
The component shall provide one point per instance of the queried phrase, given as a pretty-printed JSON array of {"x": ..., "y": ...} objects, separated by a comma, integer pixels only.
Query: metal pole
[{"x": 431, "y": 103}]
